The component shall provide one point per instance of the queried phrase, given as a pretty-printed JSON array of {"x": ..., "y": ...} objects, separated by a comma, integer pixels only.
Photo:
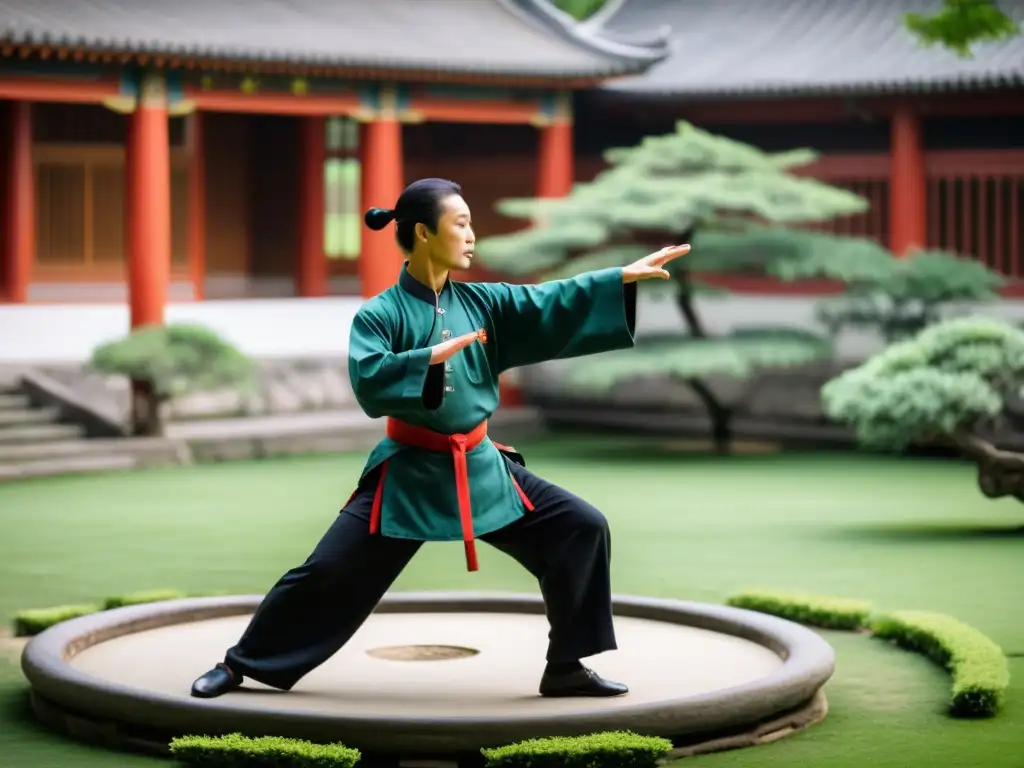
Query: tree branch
[{"x": 983, "y": 451}]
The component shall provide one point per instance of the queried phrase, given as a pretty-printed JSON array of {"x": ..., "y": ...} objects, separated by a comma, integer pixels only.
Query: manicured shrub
[
  {"x": 32, "y": 622},
  {"x": 812, "y": 610},
  {"x": 139, "y": 598},
  {"x": 238, "y": 751},
  {"x": 977, "y": 665},
  {"x": 614, "y": 749}
]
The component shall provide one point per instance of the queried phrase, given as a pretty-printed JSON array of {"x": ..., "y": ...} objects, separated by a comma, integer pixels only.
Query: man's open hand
[{"x": 653, "y": 265}]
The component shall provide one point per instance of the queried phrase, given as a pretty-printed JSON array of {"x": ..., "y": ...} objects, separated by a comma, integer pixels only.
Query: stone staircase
[{"x": 36, "y": 441}]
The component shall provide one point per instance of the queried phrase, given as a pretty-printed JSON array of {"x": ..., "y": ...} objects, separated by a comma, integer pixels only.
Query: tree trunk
[
  {"x": 1000, "y": 473},
  {"x": 146, "y": 420},
  {"x": 720, "y": 416},
  {"x": 684, "y": 301}
]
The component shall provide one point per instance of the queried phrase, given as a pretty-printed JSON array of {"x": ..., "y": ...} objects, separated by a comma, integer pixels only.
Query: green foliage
[
  {"x": 667, "y": 185},
  {"x": 900, "y": 297},
  {"x": 614, "y": 749},
  {"x": 962, "y": 23},
  {"x": 579, "y": 9},
  {"x": 176, "y": 359},
  {"x": 790, "y": 254},
  {"x": 140, "y": 598},
  {"x": 979, "y": 669},
  {"x": 812, "y": 610},
  {"x": 32, "y": 622},
  {"x": 952, "y": 376},
  {"x": 685, "y": 357},
  {"x": 238, "y": 751}
]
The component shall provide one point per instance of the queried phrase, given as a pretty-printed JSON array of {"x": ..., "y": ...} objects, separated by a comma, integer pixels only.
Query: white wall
[
  {"x": 266, "y": 328},
  {"x": 269, "y": 328}
]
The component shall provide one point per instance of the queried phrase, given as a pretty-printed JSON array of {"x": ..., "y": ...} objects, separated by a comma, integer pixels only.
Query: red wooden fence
[{"x": 975, "y": 202}]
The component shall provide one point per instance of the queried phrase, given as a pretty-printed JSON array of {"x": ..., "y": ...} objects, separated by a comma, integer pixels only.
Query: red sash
[{"x": 458, "y": 444}]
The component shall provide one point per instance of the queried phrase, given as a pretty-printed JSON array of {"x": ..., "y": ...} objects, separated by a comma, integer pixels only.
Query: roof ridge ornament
[{"x": 641, "y": 49}]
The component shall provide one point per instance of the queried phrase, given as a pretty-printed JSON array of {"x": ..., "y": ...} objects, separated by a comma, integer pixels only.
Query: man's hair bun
[{"x": 378, "y": 218}]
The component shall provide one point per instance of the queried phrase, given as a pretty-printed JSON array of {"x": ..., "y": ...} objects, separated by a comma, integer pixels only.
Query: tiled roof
[
  {"x": 517, "y": 38},
  {"x": 778, "y": 47}
]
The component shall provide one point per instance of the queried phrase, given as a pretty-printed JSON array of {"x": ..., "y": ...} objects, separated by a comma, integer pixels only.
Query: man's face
[{"x": 452, "y": 246}]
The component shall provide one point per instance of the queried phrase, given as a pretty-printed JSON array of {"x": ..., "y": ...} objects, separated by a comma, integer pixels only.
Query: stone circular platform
[{"x": 433, "y": 674}]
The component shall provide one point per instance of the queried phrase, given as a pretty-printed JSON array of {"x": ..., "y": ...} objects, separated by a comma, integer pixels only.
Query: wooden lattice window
[{"x": 80, "y": 195}]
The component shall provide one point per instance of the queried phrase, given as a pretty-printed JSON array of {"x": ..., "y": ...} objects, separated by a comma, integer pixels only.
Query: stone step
[
  {"x": 55, "y": 449},
  {"x": 38, "y": 433},
  {"x": 13, "y": 417},
  {"x": 14, "y": 402},
  {"x": 65, "y": 466}
]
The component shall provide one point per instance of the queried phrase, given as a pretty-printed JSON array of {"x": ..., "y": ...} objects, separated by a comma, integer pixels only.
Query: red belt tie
[{"x": 458, "y": 444}]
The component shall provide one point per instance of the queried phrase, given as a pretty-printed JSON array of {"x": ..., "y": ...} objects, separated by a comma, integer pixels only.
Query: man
[{"x": 426, "y": 354}]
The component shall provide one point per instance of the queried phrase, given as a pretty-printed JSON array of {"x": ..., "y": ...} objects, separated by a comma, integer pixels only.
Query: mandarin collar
[{"x": 422, "y": 292}]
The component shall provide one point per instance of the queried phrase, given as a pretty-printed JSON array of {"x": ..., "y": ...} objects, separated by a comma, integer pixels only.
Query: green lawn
[{"x": 903, "y": 533}]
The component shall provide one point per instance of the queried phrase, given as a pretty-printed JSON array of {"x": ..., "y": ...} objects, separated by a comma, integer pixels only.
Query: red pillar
[
  {"x": 382, "y": 182},
  {"x": 555, "y": 172},
  {"x": 20, "y": 216},
  {"x": 311, "y": 276},
  {"x": 907, "y": 184},
  {"x": 197, "y": 204},
  {"x": 148, "y": 185}
]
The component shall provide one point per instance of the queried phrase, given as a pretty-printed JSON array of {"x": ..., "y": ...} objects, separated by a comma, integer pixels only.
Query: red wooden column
[
  {"x": 556, "y": 169},
  {"x": 908, "y": 215},
  {"x": 20, "y": 217},
  {"x": 311, "y": 277},
  {"x": 197, "y": 204},
  {"x": 383, "y": 180},
  {"x": 148, "y": 201}
]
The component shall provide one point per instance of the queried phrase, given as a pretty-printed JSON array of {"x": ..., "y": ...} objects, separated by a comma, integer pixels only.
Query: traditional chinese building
[
  {"x": 196, "y": 149},
  {"x": 934, "y": 141}
]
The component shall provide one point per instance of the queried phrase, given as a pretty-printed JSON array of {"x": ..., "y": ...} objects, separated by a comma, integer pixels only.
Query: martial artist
[{"x": 426, "y": 354}]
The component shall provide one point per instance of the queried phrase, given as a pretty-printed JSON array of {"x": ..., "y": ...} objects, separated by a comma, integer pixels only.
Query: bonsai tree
[
  {"x": 948, "y": 385},
  {"x": 167, "y": 361},
  {"x": 908, "y": 294},
  {"x": 738, "y": 206}
]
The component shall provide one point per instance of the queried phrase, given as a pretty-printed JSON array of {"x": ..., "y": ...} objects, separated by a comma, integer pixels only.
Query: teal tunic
[{"x": 391, "y": 375}]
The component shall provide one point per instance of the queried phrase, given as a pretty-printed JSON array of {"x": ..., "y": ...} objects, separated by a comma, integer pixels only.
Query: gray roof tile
[
  {"x": 735, "y": 47},
  {"x": 518, "y": 38}
]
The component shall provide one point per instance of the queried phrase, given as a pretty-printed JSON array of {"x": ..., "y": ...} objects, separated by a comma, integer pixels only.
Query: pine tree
[
  {"x": 740, "y": 208},
  {"x": 948, "y": 385},
  {"x": 910, "y": 295}
]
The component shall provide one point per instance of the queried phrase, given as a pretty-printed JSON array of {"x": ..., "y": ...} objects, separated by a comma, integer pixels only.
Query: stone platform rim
[{"x": 808, "y": 662}]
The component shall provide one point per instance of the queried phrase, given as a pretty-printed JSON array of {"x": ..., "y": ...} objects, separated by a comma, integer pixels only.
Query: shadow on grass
[
  {"x": 929, "y": 533},
  {"x": 693, "y": 448},
  {"x": 16, "y": 708},
  {"x": 648, "y": 450}
]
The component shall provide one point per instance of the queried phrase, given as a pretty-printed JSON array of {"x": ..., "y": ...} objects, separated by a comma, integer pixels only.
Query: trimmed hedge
[
  {"x": 238, "y": 751},
  {"x": 812, "y": 610},
  {"x": 977, "y": 665},
  {"x": 33, "y": 622},
  {"x": 614, "y": 749},
  {"x": 140, "y": 598}
]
